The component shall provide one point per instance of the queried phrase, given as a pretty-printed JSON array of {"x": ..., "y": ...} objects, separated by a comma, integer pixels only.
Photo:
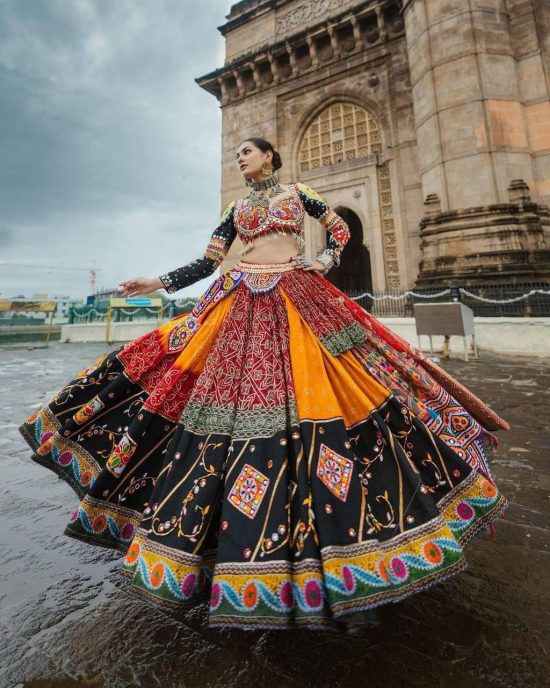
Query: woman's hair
[{"x": 265, "y": 146}]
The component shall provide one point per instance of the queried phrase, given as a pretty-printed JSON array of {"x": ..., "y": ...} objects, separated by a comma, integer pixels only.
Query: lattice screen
[
  {"x": 342, "y": 131},
  {"x": 388, "y": 227}
]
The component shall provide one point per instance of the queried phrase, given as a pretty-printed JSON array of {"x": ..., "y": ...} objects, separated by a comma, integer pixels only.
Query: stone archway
[{"x": 354, "y": 273}]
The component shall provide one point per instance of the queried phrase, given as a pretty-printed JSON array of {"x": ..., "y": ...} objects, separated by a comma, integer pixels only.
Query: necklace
[
  {"x": 258, "y": 185},
  {"x": 263, "y": 190}
]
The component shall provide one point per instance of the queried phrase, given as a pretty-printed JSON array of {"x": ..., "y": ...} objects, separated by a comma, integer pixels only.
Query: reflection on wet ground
[{"x": 65, "y": 619}]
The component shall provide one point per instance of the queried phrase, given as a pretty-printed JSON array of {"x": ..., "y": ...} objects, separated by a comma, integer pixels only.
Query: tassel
[
  {"x": 492, "y": 530},
  {"x": 268, "y": 235}
]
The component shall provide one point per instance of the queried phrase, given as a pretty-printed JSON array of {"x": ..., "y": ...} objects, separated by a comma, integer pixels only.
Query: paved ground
[{"x": 65, "y": 621}]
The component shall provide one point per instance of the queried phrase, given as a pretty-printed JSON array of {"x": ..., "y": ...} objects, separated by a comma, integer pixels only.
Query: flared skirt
[{"x": 277, "y": 452}]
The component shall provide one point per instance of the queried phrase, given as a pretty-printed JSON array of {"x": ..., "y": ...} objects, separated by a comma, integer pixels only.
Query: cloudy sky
[{"x": 109, "y": 150}]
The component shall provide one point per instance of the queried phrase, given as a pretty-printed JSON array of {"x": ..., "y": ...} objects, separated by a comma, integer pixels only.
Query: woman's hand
[
  {"x": 315, "y": 265},
  {"x": 140, "y": 285}
]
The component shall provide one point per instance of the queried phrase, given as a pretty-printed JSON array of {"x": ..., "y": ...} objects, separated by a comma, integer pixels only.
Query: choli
[
  {"x": 285, "y": 215},
  {"x": 250, "y": 221}
]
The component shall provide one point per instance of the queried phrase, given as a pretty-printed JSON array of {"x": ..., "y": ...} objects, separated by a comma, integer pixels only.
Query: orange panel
[
  {"x": 327, "y": 386},
  {"x": 193, "y": 357}
]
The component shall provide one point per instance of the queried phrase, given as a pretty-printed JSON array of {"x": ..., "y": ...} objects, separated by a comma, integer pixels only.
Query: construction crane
[{"x": 55, "y": 268}]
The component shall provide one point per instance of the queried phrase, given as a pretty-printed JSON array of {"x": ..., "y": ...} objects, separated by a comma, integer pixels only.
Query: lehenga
[{"x": 277, "y": 452}]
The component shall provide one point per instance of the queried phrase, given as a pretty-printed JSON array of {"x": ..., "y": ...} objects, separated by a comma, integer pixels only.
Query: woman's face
[{"x": 250, "y": 160}]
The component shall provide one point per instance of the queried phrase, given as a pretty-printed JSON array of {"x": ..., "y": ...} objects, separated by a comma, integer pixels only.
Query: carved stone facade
[{"x": 425, "y": 123}]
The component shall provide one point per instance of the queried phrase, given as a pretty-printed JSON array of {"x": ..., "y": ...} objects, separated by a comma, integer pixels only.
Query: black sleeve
[
  {"x": 218, "y": 246},
  {"x": 316, "y": 206}
]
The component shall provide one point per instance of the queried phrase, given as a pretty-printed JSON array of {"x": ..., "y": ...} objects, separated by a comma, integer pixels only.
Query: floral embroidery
[
  {"x": 249, "y": 490},
  {"x": 334, "y": 471}
]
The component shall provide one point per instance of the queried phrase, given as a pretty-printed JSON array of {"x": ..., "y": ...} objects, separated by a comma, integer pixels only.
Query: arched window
[{"x": 342, "y": 131}]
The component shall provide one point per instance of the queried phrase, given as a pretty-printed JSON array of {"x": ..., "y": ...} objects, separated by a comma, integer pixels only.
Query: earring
[{"x": 269, "y": 170}]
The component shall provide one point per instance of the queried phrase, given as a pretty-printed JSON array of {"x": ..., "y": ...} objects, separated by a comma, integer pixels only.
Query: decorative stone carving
[
  {"x": 307, "y": 12},
  {"x": 373, "y": 80},
  {"x": 388, "y": 227}
]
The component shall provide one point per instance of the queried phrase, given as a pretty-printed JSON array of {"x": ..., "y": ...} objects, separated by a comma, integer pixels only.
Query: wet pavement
[{"x": 66, "y": 620}]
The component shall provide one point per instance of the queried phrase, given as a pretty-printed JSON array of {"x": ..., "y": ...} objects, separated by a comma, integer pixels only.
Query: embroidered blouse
[{"x": 248, "y": 220}]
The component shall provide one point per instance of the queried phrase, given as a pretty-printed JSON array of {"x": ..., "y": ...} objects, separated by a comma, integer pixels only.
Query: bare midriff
[
  {"x": 278, "y": 249},
  {"x": 274, "y": 247}
]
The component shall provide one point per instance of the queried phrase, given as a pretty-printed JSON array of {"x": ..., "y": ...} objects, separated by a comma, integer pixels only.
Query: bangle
[
  {"x": 302, "y": 261},
  {"x": 326, "y": 259}
]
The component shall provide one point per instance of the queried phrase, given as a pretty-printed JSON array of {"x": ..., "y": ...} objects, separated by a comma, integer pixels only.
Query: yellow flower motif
[
  {"x": 310, "y": 192},
  {"x": 226, "y": 212}
]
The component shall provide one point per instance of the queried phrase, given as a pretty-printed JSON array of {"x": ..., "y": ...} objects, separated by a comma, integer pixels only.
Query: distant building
[
  {"x": 425, "y": 124},
  {"x": 64, "y": 305}
]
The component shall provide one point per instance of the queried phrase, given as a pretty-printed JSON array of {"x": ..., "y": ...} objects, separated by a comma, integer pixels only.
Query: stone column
[
  {"x": 223, "y": 91},
  {"x": 471, "y": 136},
  {"x": 256, "y": 75},
  {"x": 292, "y": 58},
  {"x": 240, "y": 84},
  {"x": 381, "y": 24},
  {"x": 359, "y": 44},
  {"x": 333, "y": 41},
  {"x": 274, "y": 70},
  {"x": 313, "y": 52},
  {"x": 468, "y": 117}
]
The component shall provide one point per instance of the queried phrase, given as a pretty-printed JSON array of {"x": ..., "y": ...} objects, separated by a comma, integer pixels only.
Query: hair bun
[{"x": 277, "y": 162}]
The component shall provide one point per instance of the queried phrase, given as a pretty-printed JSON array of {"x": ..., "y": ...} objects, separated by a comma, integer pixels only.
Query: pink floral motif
[
  {"x": 286, "y": 594},
  {"x": 187, "y": 585},
  {"x": 349, "y": 580},
  {"x": 464, "y": 511},
  {"x": 127, "y": 532},
  {"x": 65, "y": 458},
  {"x": 399, "y": 568},
  {"x": 215, "y": 596}
]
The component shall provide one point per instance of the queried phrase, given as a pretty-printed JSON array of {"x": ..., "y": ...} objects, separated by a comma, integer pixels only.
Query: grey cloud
[
  {"x": 6, "y": 237},
  {"x": 110, "y": 150}
]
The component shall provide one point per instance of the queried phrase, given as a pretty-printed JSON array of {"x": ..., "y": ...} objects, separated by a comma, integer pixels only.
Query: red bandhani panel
[
  {"x": 262, "y": 378},
  {"x": 326, "y": 316},
  {"x": 145, "y": 360},
  {"x": 171, "y": 393}
]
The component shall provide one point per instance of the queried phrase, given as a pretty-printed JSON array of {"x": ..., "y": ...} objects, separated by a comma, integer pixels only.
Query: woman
[{"x": 277, "y": 451}]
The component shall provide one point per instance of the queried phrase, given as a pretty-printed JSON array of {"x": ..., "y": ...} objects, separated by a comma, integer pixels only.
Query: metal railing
[
  {"x": 528, "y": 299},
  {"x": 90, "y": 313}
]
